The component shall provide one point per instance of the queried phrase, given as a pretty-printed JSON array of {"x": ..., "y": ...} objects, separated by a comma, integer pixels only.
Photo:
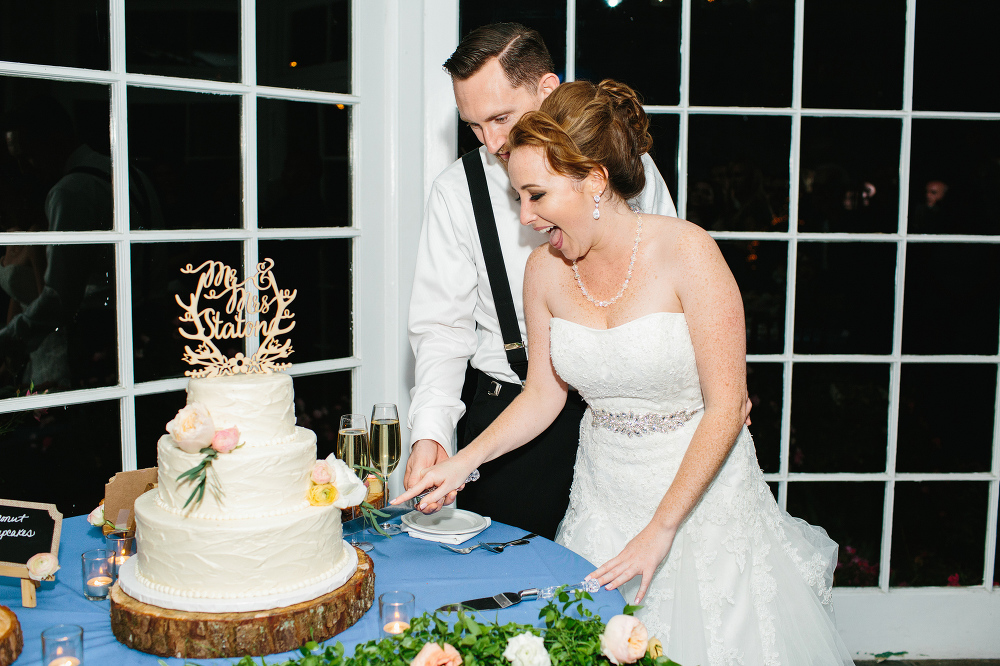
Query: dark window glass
[
  {"x": 302, "y": 166},
  {"x": 190, "y": 40},
  {"x": 760, "y": 268},
  {"x": 955, "y": 65},
  {"x": 930, "y": 443},
  {"x": 844, "y": 297},
  {"x": 320, "y": 270},
  {"x": 996, "y": 556},
  {"x": 853, "y": 54},
  {"x": 955, "y": 177},
  {"x": 158, "y": 347},
  {"x": 320, "y": 401},
  {"x": 744, "y": 159},
  {"x": 765, "y": 388},
  {"x": 189, "y": 146},
  {"x": 937, "y": 533},
  {"x": 633, "y": 41},
  {"x": 840, "y": 419},
  {"x": 60, "y": 325},
  {"x": 851, "y": 513},
  {"x": 77, "y": 448},
  {"x": 741, "y": 52},
  {"x": 665, "y": 128},
  {"x": 68, "y": 33},
  {"x": 152, "y": 412},
  {"x": 951, "y": 301},
  {"x": 548, "y": 18},
  {"x": 304, "y": 45},
  {"x": 849, "y": 175}
]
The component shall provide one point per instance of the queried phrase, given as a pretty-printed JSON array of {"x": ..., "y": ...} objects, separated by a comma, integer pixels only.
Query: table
[{"x": 434, "y": 576}]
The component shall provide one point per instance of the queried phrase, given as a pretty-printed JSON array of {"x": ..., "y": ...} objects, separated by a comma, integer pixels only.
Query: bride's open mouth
[{"x": 555, "y": 235}]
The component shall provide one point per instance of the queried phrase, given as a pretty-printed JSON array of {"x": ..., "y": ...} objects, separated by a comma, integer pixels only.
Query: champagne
[
  {"x": 352, "y": 447},
  {"x": 385, "y": 444}
]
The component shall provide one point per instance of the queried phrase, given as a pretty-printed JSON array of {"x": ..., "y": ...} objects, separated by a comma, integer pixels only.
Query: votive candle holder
[
  {"x": 62, "y": 645},
  {"x": 98, "y": 573},
  {"x": 395, "y": 611}
]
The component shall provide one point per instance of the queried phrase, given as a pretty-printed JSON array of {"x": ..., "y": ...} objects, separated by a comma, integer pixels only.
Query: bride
[{"x": 641, "y": 314}]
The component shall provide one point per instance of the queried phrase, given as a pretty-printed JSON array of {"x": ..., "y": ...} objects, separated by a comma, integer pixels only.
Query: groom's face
[{"x": 491, "y": 106}]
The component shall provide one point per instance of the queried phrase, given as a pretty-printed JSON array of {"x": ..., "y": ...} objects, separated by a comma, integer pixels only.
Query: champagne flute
[
  {"x": 385, "y": 448},
  {"x": 353, "y": 448}
]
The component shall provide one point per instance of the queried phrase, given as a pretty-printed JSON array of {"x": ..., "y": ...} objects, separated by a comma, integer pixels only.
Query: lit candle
[
  {"x": 65, "y": 661},
  {"x": 396, "y": 627},
  {"x": 98, "y": 586}
]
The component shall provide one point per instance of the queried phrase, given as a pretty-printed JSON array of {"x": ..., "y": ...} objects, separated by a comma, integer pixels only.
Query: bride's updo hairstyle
[{"x": 581, "y": 127}]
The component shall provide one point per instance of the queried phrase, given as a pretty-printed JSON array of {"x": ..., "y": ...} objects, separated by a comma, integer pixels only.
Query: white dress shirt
[{"x": 452, "y": 314}]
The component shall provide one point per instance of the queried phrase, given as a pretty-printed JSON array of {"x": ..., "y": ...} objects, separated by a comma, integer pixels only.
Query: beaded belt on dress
[{"x": 638, "y": 424}]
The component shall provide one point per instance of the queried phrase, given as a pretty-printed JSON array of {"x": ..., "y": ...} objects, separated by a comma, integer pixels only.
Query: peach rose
[
  {"x": 42, "y": 565},
  {"x": 226, "y": 440},
  {"x": 192, "y": 428},
  {"x": 321, "y": 473},
  {"x": 624, "y": 640},
  {"x": 433, "y": 654},
  {"x": 322, "y": 495}
]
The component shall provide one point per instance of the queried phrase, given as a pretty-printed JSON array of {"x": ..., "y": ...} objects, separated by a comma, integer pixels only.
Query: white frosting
[
  {"x": 254, "y": 482},
  {"x": 261, "y": 406}
]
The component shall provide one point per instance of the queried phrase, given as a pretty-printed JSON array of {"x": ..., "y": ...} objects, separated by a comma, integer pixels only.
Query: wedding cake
[{"x": 250, "y": 539}]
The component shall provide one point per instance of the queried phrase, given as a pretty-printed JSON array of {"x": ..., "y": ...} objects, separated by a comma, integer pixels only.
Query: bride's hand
[
  {"x": 640, "y": 557},
  {"x": 437, "y": 482}
]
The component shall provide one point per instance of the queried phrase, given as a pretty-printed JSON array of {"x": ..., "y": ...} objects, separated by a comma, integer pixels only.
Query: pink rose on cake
[
  {"x": 321, "y": 473},
  {"x": 226, "y": 440},
  {"x": 192, "y": 428},
  {"x": 350, "y": 488}
]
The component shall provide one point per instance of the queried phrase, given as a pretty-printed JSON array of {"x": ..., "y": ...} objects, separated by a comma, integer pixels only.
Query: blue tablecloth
[{"x": 434, "y": 576}]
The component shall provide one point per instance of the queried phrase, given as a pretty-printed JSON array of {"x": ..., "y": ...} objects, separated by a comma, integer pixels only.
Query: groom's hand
[{"x": 424, "y": 454}]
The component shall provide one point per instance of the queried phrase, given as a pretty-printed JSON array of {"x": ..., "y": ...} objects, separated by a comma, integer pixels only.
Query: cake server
[{"x": 508, "y": 599}]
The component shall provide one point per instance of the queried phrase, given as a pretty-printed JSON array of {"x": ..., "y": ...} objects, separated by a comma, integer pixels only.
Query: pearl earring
[{"x": 597, "y": 203}]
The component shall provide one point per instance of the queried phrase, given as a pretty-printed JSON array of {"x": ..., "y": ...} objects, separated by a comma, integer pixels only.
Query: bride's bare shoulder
[{"x": 672, "y": 234}]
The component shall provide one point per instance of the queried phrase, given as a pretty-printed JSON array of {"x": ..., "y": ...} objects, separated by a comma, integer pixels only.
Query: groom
[{"x": 499, "y": 72}]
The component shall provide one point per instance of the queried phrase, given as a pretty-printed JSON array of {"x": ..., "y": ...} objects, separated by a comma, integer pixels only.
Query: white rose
[
  {"x": 42, "y": 566},
  {"x": 527, "y": 649},
  {"x": 192, "y": 428},
  {"x": 96, "y": 517},
  {"x": 350, "y": 490}
]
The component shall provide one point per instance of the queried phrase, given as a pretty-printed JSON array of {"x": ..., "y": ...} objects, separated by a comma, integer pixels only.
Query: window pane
[
  {"x": 844, "y": 297},
  {"x": 304, "y": 45},
  {"x": 951, "y": 302},
  {"x": 850, "y": 175},
  {"x": 61, "y": 321},
  {"x": 654, "y": 69},
  {"x": 320, "y": 401},
  {"x": 741, "y": 52},
  {"x": 955, "y": 179},
  {"x": 303, "y": 167},
  {"x": 853, "y": 54},
  {"x": 321, "y": 272},
  {"x": 665, "y": 129},
  {"x": 152, "y": 412},
  {"x": 840, "y": 417},
  {"x": 548, "y": 18},
  {"x": 189, "y": 145},
  {"x": 930, "y": 443},
  {"x": 156, "y": 281},
  {"x": 745, "y": 161},
  {"x": 68, "y": 33},
  {"x": 851, "y": 513},
  {"x": 190, "y": 40},
  {"x": 937, "y": 533},
  {"x": 78, "y": 447},
  {"x": 950, "y": 78},
  {"x": 760, "y": 268},
  {"x": 764, "y": 386},
  {"x": 56, "y": 147}
]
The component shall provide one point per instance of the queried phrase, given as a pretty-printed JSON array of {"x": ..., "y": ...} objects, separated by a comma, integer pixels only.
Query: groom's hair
[{"x": 520, "y": 51}]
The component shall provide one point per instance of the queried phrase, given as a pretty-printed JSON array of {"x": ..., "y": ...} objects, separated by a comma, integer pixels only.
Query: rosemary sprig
[
  {"x": 199, "y": 476},
  {"x": 369, "y": 511}
]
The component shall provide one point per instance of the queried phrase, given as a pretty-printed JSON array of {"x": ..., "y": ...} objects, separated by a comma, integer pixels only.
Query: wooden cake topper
[{"x": 258, "y": 294}]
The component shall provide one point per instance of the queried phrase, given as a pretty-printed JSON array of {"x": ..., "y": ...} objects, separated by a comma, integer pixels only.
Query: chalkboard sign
[{"x": 27, "y": 528}]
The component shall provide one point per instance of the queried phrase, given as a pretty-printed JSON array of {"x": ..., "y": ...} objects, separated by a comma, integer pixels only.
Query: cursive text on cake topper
[{"x": 237, "y": 318}]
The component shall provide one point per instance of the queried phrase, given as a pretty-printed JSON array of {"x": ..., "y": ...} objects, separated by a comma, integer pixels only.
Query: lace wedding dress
[{"x": 744, "y": 582}]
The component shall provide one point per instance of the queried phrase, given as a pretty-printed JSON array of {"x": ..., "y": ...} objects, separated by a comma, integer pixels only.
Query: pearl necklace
[{"x": 628, "y": 276}]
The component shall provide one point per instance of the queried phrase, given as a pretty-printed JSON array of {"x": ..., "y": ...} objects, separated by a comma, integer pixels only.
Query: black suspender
[{"x": 495, "y": 268}]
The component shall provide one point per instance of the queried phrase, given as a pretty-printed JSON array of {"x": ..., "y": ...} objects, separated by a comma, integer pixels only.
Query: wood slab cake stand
[
  {"x": 174, "y": 633},
  {"x": 11, "y": 640}
]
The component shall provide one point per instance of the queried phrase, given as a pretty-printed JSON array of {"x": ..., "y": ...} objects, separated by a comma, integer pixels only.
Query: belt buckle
[{"x": 494, "y": 388}]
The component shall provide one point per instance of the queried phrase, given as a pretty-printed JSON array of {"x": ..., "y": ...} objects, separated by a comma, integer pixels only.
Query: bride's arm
[
  {"x": 713, "y": 310},
  {"x": 531, "y": 412}
]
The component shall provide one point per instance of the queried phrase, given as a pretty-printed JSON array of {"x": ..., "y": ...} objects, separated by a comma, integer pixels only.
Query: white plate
[{"x": 446, "y": 521}]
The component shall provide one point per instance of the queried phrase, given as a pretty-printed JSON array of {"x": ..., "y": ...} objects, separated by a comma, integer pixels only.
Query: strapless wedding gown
[{"x": 744, "y": 582}]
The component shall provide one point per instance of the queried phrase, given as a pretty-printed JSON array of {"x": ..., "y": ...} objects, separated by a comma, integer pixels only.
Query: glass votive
[
  {"x": 122, "y": 546},
  {"x": 395, "y": 610},
  {"x": 62, "y": 645},
  {"x": 98, "y": 574}
]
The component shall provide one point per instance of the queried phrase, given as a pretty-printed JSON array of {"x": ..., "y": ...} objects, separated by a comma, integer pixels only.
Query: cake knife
[{"x": 508, "y": 599}]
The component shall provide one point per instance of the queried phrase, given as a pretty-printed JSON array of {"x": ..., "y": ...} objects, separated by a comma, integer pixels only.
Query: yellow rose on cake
[{"x": 323, "y": 494}]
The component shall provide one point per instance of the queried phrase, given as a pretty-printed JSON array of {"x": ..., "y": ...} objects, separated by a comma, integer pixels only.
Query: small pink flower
[
  {"x": 433, "y": 654},
  {"x": 953, "y": 580},
  {"x": 226, "y": 440},
  {"x": 624, "y": 640},
  {"x": 321, "y": 473}
]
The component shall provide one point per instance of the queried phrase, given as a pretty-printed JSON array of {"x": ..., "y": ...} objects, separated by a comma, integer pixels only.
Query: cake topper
[{"x": 258, "y": 294}]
